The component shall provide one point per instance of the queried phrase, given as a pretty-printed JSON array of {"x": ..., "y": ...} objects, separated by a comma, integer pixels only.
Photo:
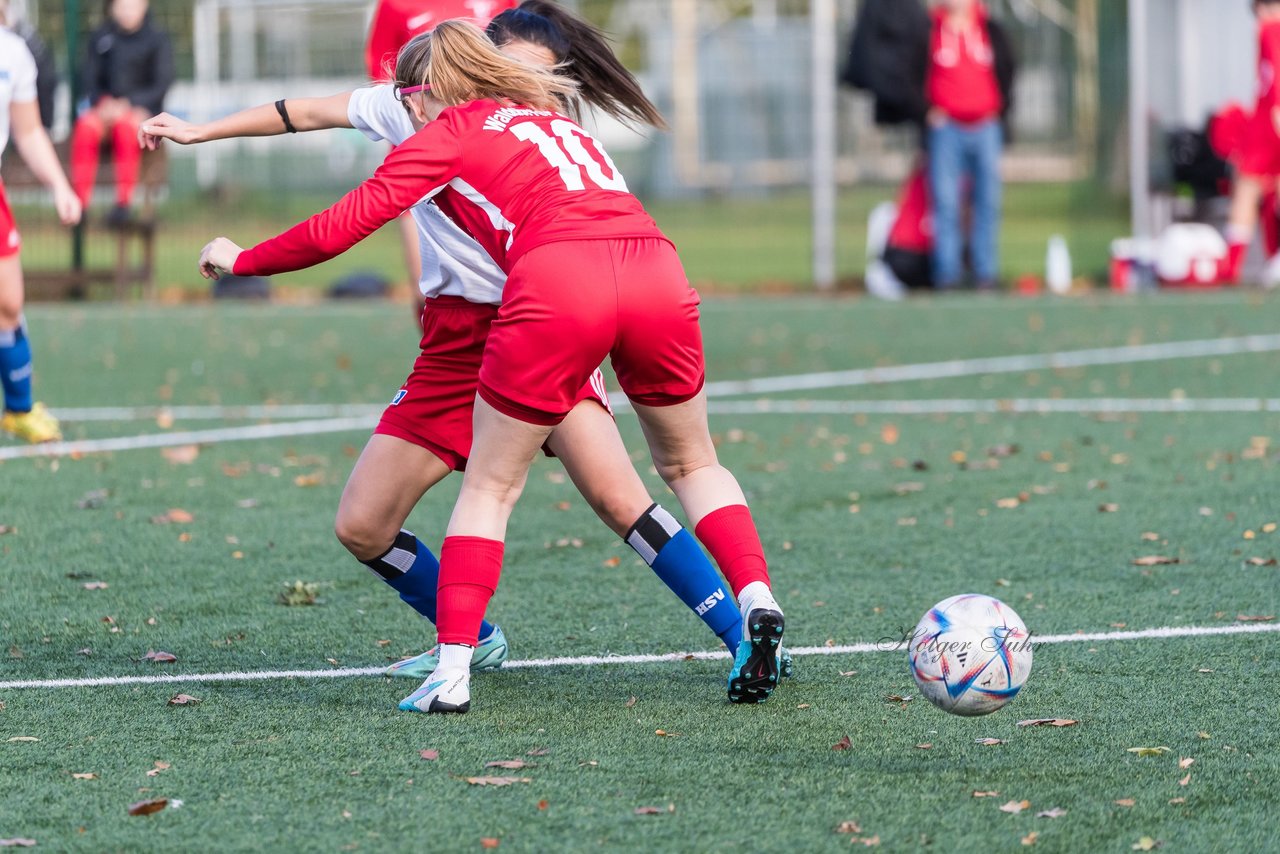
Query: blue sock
[
  {"x": 413, "y": 572},
  {"x": 675, "y": 557},
  {"x": 15, "y": 369}
]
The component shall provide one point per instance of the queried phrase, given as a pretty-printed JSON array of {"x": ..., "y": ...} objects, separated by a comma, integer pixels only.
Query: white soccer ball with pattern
[{"x": 970, "y": 654}]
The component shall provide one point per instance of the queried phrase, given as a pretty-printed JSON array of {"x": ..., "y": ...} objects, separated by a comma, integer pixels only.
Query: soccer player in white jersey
[
  {"x": 426, "y": 432},
  {"x": 23, "y": 416}
]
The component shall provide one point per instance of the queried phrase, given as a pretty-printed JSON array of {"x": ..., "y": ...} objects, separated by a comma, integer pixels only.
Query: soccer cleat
[
  {"x": 35, "y": 426},
  {"x": 441, "y": 694},
  {"x": 489, "y": 654},
  {"x": 756, "y": 667},
  {"x": 786, "y": 667}
]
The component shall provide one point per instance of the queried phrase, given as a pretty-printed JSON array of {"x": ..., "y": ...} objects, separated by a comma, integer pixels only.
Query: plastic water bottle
[{"x": 1058, "y": 265}]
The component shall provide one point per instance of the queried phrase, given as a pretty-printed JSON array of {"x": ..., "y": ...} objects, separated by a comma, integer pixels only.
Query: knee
[
  {"x": 619, "y": 508},
  {"x": 361, "y": 534},
  {"x": 89, "y": 127},
  {"x": 673, "y": 471}
]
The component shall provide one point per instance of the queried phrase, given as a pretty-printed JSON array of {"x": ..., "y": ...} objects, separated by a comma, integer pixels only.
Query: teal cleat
[
  {"x": 489, "y": 654},
  {"x": 786, "y": 667},
  {"x": 756, "y": 666}
]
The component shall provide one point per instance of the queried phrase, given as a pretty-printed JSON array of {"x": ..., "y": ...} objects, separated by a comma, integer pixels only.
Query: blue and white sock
[
  {"x": 15, "y": 368},
  {"x": 675, "y": 557},
  {"x": 413, "y": 572}
]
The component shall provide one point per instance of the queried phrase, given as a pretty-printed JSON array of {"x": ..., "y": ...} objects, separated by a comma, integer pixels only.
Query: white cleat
[{"x": 442, "y": 693}]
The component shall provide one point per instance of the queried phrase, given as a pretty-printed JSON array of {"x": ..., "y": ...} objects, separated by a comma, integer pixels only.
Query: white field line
[
  {"x": 892, "y": 644},
  {"x": 189, "y": 437},
  {"x": 1016, "y": 406},
  {"x": 999, "y": 365},
  {"x": 231, "y": 412}
]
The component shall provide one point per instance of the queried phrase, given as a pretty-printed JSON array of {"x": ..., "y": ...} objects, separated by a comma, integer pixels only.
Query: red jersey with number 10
[{"x": 535, "y": 177}]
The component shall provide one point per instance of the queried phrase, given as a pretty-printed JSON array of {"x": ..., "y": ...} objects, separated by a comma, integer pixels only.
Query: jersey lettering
[{"x": 570, "y": 157}]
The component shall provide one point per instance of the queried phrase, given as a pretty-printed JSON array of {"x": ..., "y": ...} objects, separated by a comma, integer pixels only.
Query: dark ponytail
[{"x": 585, "y": 56}]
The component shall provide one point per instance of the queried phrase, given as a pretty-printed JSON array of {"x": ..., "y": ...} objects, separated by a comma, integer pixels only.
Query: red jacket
[{"x": 962, "y": 76}]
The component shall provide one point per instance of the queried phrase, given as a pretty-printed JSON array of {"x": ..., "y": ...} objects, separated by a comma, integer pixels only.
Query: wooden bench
[{"x": 135, "y": 241}]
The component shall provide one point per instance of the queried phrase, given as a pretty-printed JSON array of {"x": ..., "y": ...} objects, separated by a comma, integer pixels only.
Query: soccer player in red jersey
[
  {"x": 381, "y": 491},
  {"x": 588, "y": 274},
  {"x": 23, "y": 417},
  {"x": 1257, "y": 160}
]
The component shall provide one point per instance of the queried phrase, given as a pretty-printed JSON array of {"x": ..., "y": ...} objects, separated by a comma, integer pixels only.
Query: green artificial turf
[{"x": 868, "y": 521}]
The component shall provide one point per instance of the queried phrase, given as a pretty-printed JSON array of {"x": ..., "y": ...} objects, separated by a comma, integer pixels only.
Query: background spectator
[
  {"x": 128, "y": 70},
  {"x": 46, "y": 68}
]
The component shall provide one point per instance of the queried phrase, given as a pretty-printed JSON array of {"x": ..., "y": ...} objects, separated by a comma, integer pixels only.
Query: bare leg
[
  {"x": 588, "y": 445},
  {"x": 388, "y": 480}
]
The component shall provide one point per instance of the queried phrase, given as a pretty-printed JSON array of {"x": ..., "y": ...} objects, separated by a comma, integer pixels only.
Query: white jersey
[
  {"x": 453, "y": 264},
  {"x": 17, "y": 78}
]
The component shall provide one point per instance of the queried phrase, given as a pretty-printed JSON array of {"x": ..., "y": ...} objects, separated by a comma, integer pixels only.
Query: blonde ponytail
[{"x": 461, "y": 64}]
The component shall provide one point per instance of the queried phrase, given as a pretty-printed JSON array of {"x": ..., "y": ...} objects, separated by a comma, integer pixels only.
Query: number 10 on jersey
[{"x": 566, "y": 152}]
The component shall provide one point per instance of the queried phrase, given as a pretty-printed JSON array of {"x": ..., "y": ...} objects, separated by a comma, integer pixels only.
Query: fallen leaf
[
  {"x": 183, "y": 700},
  {"x": 989, "y": 742},
  {"x": 181, "y": 455},
  {"x": 508, "y": 764},
  {"x": 1108, "y": 508},
  {"x": 803, "y": 706},
  {"x": 1150, "y": 537},
  {"x": 18, "y": 738},
  {"x": 590, "y": 763},
  {"x": 1263, "y": 561},
  {"x": 988, "y": 794},
  {"x": 898, "y": 698},
  {"x": 1015, "y": 807},
  {"x": 1249, "y": 535},
  {"x": 612, "y": 562},
  {"x": 1148, "y": 751},
  {"x": 889, "y": 434},
  {"x": 159, "y": 657},
  {"x": 630, "y": 703},
  {"x": 1155, "y": 560},
  {"x": 848, "y": 673},
  {"x": 1204, "y": 735},
  {"x": 7, "y": 529},
  {"x": 1056, "y": 812},
  {"x": 1008, "y": 503},
  {"x": 1185, "y": 781},
  {"x": 160, "y": 766},
  {"x": 1030, "y": 838},
  {"x": 925, "y": 746},
  {"x": 313, "y": 479},
  {"x": 148, "y": 807},
  {"x": 665, "y": 734},
  {"x": 489, "y": 842},
  {"x": 87, "y": 776},
  {"x": 842, "y": 744},
  {"x": 1146, "y": 843},
  {"x": 1186, "y": 762},
  {"x": 648, "y": 811},
  {"x": 539, "y": 751},
  {"x": 17, "y": 842},
  {"x": 1254, "y": 618},
  {"x": 1125, "y": 802},
  {"x": 496, "y": 781},
  {"x": 1176, "y": 801},
  {"x": 429, "y": 755},
  {"x": 179, "y": 516},
  {"x": 95, "y": 585},
  {"x": 848, "y": 827},
  {"x": 1048, "y": 722}
]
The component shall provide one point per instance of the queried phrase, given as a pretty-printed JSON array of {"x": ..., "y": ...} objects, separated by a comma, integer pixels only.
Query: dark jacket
[
  {"x": 46, "y": 72},
  {"x": 136, "y": 66},
  {"x": 889, "y": 57}
]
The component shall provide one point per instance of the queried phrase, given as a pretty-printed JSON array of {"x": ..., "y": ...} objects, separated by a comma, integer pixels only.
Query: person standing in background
[
  {"x": 128, "y": 71},
  {"x": 46, "y": 68},
  {"x": 968, "y": 88}
]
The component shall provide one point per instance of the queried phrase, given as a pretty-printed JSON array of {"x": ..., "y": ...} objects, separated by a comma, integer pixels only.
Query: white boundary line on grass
[
  {"x": 259, "y": 412},
  {"x": 596, "y": 660},
  {"x": 999, "y": 365}
]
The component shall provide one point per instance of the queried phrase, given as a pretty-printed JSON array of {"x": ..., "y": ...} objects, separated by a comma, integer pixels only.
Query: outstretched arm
[
  {"x": 265, "y": 120},
  {"x": 33, "y": 144},
  {"x": 416, "y": 169}
]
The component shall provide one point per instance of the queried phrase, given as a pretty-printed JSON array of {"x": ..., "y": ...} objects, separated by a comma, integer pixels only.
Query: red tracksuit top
[
  {"x": 534, "y": 176},
  {"x": 962, "y": 76},
  {"x": 397, "y": 21}
]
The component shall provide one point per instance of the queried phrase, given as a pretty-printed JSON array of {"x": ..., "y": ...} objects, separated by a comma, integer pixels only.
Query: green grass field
[
  {"x": 740, "y": 243},
  {"x": 868, "y": 519}
]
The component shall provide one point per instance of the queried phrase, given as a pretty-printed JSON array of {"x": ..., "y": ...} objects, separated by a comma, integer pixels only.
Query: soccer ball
[{"x": 970, "y": 654}]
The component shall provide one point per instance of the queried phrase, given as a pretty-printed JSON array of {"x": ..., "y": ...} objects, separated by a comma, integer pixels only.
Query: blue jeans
[{"x": 957, "y": 152}]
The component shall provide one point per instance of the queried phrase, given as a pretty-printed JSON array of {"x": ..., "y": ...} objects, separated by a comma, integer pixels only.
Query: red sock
[
  {"x": 1229, "y": 268},
  {"x": 85, "y": 142},
  {"x": 469, "y": 570},
  {"x": 127, "y": 156},
  {"x": 730, "y": 535}
]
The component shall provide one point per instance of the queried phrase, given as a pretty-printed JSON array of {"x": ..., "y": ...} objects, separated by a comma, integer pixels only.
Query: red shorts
[
  {"x": 568, "y": 305},
  {"x": 1259, "y": 152},
  {"x": 433, "y": 408},
  {"x": 10, "y": 241}
]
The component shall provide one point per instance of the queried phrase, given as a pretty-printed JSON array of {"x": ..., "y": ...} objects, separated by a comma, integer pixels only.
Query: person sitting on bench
[{"x": 128, "y": 70}]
